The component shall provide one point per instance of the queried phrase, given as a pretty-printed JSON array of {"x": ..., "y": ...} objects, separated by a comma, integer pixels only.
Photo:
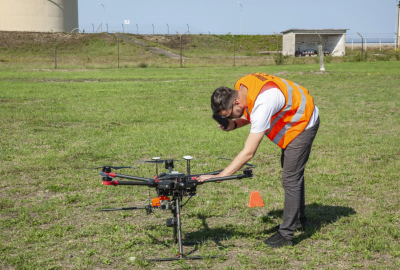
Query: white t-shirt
[{"x": 267, "y": 105}]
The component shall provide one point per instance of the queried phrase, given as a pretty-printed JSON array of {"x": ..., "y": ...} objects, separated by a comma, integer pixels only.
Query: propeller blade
[
  {"x": 157, "y": 161},
  {"x": 248, "y": 164},
  {"x": 106, "y": 174},
  {"x": 112, "y": 167},
  {"x": 151, "y": 161}
]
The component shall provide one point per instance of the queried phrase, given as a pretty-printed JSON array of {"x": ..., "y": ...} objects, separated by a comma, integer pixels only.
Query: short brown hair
[{"x": 222, "y": 99}]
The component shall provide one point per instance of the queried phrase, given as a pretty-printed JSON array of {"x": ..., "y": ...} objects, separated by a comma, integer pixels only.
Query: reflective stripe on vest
[{"x": 296, "y": 117}]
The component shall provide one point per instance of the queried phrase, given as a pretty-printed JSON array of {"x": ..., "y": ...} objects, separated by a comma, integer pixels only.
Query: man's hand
[
  {"x": 206, "y": 177},
  {"x": 230, "y": 127}
]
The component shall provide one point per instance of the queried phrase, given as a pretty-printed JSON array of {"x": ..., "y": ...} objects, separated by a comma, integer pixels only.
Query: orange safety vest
[{"x": 289, "y": 122}]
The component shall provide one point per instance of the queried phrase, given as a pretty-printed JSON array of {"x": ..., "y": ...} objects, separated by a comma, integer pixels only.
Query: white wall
[
  {"x": 288, "y": 44},
  {"x": 38, "y": 15},
  {"x": 336, "y": 45}
]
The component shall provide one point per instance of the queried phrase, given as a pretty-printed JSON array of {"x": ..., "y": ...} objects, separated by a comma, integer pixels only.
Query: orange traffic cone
[{"x": 255, "y": 200}]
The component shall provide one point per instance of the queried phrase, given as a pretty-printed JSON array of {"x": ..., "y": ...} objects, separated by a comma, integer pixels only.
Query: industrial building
[
  {"x": 39, "y": 15},
  {"x": 304, "y": 42}
]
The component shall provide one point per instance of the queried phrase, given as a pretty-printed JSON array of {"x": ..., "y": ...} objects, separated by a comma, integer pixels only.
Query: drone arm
[
  {"x": 232, "y": 177},
  {"x": 211, "y": 173},
  {"x": 125, "y": 208},
  {"x": 127, "y": 183},
  {"x": 131, "y": 177}
]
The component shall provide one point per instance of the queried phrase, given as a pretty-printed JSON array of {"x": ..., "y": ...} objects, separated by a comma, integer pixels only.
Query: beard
[{"x": 241, "y": 112}]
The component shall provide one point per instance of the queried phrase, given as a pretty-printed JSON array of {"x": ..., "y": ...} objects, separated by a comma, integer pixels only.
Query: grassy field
[
  {"x": 55, "y": 123},
  {"x": 95, "y": 51}
]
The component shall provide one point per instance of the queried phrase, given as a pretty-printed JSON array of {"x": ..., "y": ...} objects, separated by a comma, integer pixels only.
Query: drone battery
[
  {"x": 191, "y": 184},
  {"x": 159, "y": 201}
]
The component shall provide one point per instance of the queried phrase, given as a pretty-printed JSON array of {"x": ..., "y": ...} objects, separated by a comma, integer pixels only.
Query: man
[{"x": 285, "y": 113}]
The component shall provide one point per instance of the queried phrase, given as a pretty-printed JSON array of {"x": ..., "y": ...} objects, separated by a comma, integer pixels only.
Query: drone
[{"x": 171, "y": 188}]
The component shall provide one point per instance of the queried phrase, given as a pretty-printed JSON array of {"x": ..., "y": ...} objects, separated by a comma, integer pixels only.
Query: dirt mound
[
  {"x": 12, "y": 40},
  {"x": 170, "y": 41}
]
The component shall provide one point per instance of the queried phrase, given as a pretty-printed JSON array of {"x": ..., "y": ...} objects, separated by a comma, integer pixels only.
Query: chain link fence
[{"x": 123, "y": 50}]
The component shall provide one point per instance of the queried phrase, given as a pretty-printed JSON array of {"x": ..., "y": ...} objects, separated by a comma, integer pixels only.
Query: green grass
[
  {"x": 216, "y": 45},
  {"x": 55, "y": 123}
]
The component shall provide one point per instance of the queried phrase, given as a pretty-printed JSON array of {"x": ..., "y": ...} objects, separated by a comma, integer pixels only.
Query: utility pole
[
  {"x": 241, "y": 17},
  {"x": 362, "y": 47},
  {"x": 320, "y": 54},
  {"x": 180, "y": 39},
  {"x": 104, "y": 17}
]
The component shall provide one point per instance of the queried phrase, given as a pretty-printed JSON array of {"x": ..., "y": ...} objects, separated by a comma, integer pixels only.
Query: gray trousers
[{"x": 293, "y": 161}]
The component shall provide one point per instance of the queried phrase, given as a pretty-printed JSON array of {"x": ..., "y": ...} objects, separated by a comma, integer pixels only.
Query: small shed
[{"x": 304, "y": 42}]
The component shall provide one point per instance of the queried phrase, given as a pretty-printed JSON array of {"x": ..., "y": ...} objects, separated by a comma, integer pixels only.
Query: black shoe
[
  {"x": 301, "y": 225},
  {"x": 276, "y": 241}
]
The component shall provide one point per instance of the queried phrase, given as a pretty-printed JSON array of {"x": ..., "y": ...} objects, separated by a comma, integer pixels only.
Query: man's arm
[{"x": 243, "y": 157}]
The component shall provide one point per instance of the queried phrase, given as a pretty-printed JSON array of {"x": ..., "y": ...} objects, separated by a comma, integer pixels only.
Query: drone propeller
[
  {"x": 247, "y": 164},
  {"x": 111, "y": 167},
  {"x": 157, "y": 161}
]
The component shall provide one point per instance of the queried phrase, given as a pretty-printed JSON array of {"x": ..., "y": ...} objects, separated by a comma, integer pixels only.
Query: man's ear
[{"x": 237, "y": 103}]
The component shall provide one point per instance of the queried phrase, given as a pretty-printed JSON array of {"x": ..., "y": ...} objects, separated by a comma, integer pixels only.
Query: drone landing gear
[{"x": 174, "y": 222}]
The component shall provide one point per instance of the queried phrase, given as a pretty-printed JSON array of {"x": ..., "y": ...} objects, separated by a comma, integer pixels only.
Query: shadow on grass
[{"x": 318, "y": 216}]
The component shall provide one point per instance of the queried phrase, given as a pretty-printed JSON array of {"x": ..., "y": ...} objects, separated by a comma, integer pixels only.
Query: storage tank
[{"x": 38, "y": 15}]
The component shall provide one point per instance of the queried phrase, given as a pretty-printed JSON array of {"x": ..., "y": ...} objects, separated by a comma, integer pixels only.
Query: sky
[{"x": 371, "y": 18}]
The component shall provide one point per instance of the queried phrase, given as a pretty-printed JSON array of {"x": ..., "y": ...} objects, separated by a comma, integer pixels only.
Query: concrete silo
[{"x": 38, "y": 15}]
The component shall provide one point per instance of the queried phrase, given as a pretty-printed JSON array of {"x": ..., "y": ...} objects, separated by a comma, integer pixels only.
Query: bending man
[{"x": 284, "y": 112}]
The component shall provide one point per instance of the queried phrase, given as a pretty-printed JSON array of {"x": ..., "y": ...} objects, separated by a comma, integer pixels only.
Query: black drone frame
[{"x": 175, "y": 184}]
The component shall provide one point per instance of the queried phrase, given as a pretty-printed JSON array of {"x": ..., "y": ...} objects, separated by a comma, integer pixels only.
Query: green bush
[
  {"x": 328, "y": 58},
  {"x": 282, "y": 59}
]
